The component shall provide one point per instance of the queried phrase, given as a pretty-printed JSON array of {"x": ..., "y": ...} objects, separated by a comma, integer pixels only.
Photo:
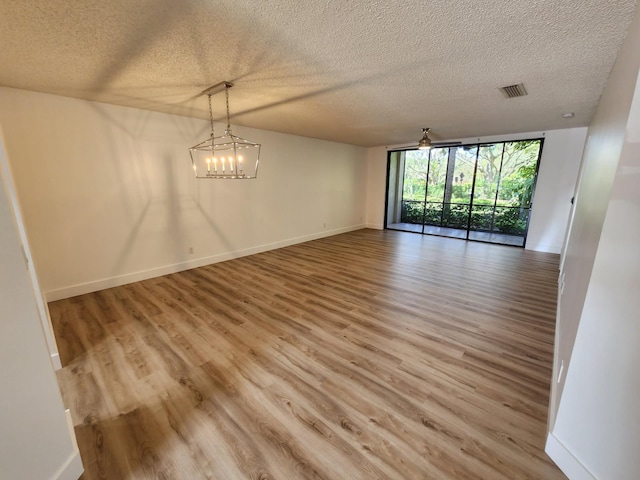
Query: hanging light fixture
[
  {"x": 425, "y": 141},
  {"x": 226, "y": 156}
]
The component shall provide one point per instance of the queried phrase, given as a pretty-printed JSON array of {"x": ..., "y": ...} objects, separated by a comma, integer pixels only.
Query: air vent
[{"x": 512, "y": 91}]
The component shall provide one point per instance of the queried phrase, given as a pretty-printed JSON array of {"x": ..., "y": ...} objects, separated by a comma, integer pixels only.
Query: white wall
[
  {"x": 35, "y": 437},
  {"x": 43, "y": 311},
  {"x": 559, "y": 166},
  {"x": 376, "y": 186},
  {"x": 108, "y": 195},
  {"x": 596, "y": 433},
  {"x": 556, "y": 183}
]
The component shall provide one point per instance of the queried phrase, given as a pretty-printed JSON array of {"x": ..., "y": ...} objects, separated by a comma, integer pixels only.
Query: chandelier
[{"x": 227, "y": 156}]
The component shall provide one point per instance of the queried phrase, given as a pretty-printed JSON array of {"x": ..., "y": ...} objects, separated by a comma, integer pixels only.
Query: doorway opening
[{"x": 481, "y": 192}]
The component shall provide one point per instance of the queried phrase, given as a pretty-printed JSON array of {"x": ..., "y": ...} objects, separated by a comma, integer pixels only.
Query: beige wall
[
  {"x": 555, "y": 186},
  {"x": 35, "y": 437},
  {"x": 108, "y": 194},
  {"x": 376, "y": 186},
  {"x": 552, "y": 202},
  {"x": 597, "y": 399}
]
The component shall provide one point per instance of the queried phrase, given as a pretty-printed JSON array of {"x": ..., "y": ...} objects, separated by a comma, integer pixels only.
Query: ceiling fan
[{"x": 425, "y": 142}]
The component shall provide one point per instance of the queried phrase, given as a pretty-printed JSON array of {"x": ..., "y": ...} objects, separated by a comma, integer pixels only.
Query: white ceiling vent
[{"x": 512, "y": 91}]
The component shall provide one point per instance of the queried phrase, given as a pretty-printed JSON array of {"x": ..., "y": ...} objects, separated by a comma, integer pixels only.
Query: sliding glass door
[{"x": 477, "y": 192}]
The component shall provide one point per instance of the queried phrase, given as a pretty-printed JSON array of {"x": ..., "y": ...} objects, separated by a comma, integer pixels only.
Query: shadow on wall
[{"x": 149, "y": 193}]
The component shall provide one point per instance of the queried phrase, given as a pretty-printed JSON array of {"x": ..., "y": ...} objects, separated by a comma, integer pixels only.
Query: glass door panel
[
  {"x": 478, "y": 192},
  {"x": 435, "y": 189},
  {"x": 416, "y": 171},
  {"x": 459, "y": 183},
  {"x": 517, "y": 179},
  {"x": 505, "y": 219}
]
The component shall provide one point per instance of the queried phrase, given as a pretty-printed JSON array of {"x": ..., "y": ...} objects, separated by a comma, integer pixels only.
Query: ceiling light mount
[
  {"x": 217, "y": 88},
  {"x": 228, "y": 156},
  {"x": 425, "y": 141}
]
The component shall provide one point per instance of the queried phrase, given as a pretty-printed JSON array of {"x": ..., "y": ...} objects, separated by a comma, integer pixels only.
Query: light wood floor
[{"x": 368, "y": 355}]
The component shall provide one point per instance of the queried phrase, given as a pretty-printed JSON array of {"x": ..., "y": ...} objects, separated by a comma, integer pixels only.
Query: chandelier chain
[
  {"x": 211, "y": 115},
  {"x": 226, "y": 93}
]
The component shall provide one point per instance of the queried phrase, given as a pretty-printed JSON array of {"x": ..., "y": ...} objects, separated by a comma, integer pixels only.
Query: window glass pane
[
  {"x": 489, "y": 160},
  {"x": 437, "y": 174},
  {"x": 416, "y": 167},
  {"x": 462, "y": 180},
  {"x": 435, "y": 187},
  {"x": 458, "y": 187},
  {"x": 518, "y": 173}
]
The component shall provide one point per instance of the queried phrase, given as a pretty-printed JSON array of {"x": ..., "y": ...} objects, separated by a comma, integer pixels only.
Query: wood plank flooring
[{"x": 368, "y": 355}]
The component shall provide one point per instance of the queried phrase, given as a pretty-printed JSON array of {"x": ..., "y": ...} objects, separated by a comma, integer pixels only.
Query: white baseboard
[
  {"x": 544, "y": 248},
  {"x": 569, "y": 464},
  {"x": 72, "y": 468},
  {"x": 55, "y": 361},
  {"x": 94, "y": 286},
  {"x": 375, "y": 226}
]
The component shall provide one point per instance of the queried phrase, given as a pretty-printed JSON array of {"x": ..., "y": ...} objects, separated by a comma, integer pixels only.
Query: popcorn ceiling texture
[{"x": 361, "y": 72}]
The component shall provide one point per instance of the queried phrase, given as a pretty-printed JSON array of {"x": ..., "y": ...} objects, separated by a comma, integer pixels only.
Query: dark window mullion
[
  {"x": 473, "y": 189},
  {"x": 495, "y": 199},
  {"x": 426, "y": 191}
]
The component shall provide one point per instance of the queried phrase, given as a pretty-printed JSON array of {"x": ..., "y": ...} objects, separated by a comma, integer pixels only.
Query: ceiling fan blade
[{"x": 433, "y": 145}]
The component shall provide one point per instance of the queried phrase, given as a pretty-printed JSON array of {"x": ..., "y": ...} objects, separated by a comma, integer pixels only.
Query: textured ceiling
[{"x": 362, "y": 72}]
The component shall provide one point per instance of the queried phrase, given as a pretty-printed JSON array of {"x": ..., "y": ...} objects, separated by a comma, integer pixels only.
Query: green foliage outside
[
  {"x": 507, "y": 220},
  {"x": 505, "y": 177}
]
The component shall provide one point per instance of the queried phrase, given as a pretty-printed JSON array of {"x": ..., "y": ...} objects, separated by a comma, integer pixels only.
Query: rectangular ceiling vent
[{"x": 513, "y": 91}]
